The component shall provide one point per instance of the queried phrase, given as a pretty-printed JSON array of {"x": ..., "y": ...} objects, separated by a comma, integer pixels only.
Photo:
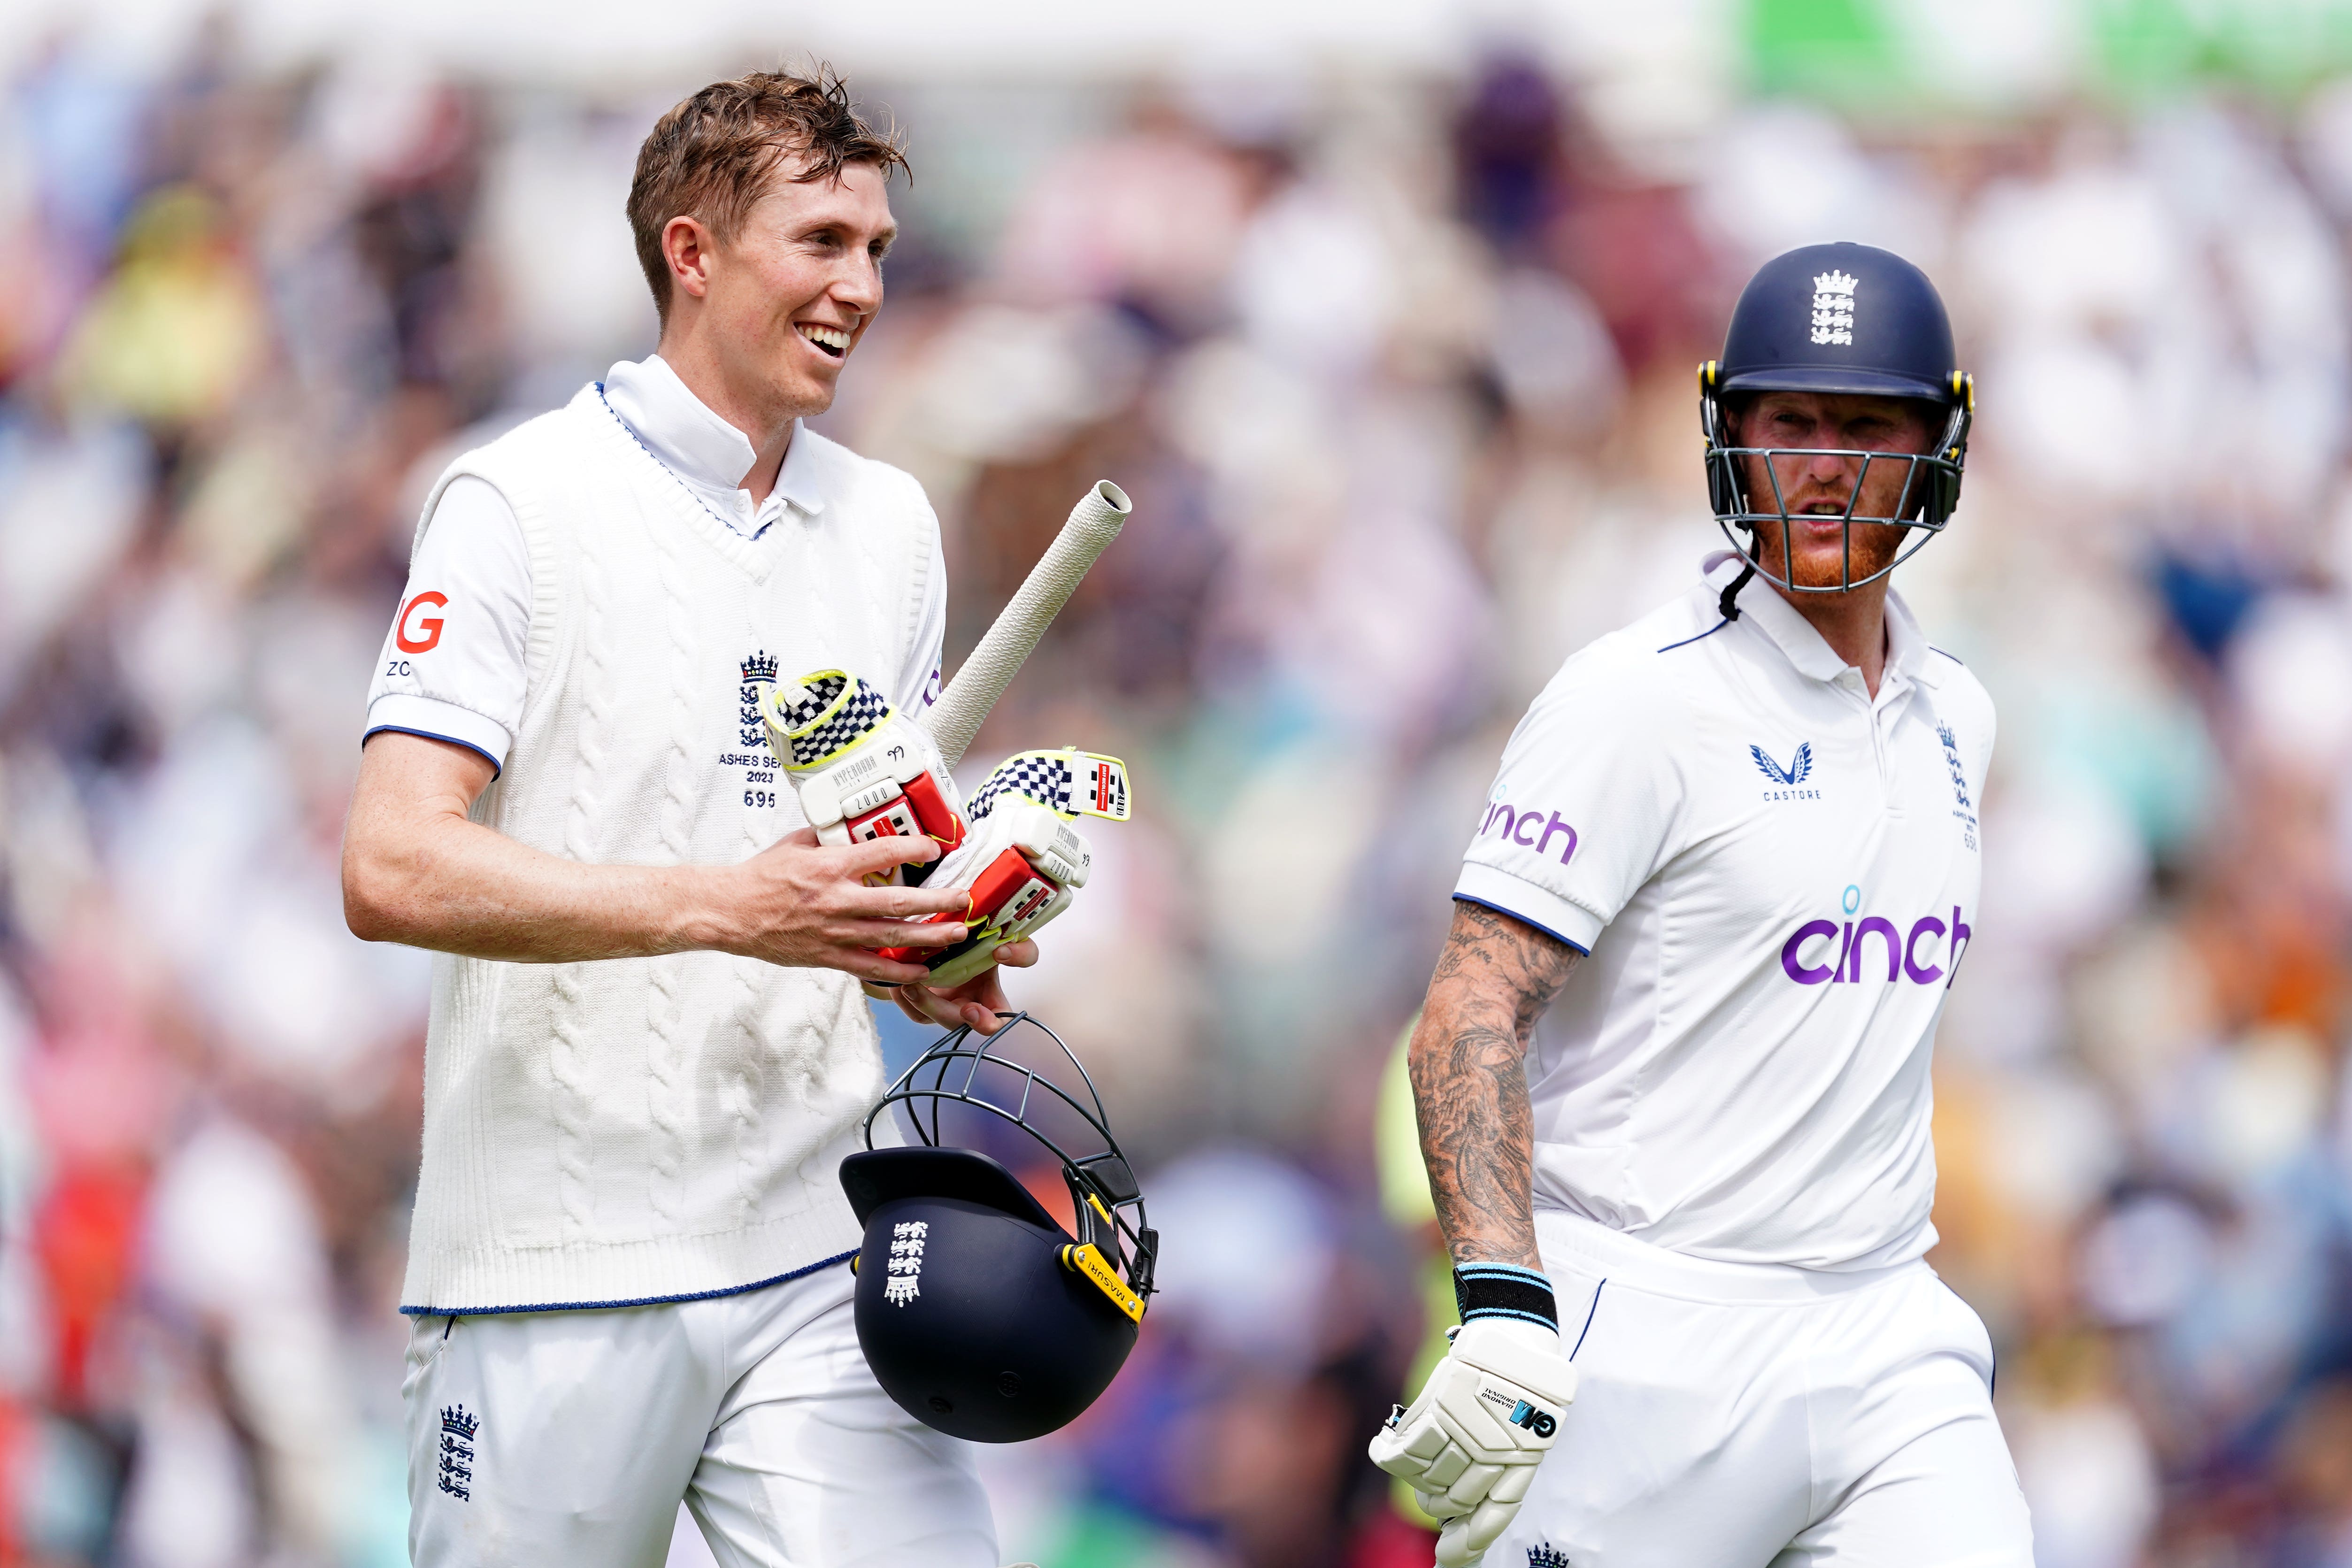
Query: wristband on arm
[{"x": 1501, "y": 1291}]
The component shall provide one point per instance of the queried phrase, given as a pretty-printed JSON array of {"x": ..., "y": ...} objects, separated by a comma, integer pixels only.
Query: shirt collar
[
  {"x": 1906, "y": 644},
  {"x": 677, "y": 426},
  {"x": 699, "y": 446},
  {"x": 1906, "y": 647},
  {"x": 797, "y": 481}
]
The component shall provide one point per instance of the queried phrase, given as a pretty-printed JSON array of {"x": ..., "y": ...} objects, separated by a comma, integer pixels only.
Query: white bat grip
[{"x": 1093, "y": 523}]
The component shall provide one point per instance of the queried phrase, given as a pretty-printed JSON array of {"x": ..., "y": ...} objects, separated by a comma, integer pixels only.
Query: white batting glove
[{"x": 1469, "y": 1445}]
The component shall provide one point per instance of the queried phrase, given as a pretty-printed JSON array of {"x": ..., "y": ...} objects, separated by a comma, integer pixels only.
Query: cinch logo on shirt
[
  {"x": 1528, "y": 830},
  {"x": 1909, "y": 956}
]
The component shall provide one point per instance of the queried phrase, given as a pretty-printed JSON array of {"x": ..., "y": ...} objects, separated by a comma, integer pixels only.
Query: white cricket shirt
[
  {"x": 454, "y": 667},
  {"x": 1774, "y": 877}
]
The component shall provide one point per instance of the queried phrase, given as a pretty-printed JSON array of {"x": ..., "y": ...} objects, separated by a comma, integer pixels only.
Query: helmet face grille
[
  {"x": 973, "y": 1087},
  {"x": 980, "y": 1314},
  {"x": 1930, "y": 493}
]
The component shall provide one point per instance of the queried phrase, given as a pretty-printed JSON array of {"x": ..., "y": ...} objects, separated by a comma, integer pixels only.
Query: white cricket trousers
[
  {"x": 569, "y": 1438},
  {"x": 1762, "y": 1416}
]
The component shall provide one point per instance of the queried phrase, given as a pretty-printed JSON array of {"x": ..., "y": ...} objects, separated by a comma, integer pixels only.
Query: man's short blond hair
[{"x": 710, "y": 158}]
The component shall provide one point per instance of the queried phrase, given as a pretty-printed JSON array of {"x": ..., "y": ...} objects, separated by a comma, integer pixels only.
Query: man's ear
[{"x": 686, "y": 246}]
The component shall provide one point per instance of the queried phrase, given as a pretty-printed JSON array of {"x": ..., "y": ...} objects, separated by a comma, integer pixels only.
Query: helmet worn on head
[
  {"x": 980, "y": 1315},
  {"x": 1837, "y": 319}
]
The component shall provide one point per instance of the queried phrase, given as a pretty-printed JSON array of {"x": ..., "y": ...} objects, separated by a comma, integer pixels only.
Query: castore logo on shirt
[
  {"x": 1799, "y": 769},
  {"x": 1795, "y": 773}
]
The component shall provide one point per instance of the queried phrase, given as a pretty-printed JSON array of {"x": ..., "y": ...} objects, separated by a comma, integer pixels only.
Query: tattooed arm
[{"x": 1468, "y": 1057}]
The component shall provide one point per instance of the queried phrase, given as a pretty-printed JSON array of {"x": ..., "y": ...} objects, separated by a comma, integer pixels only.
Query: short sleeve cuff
[
  {"x": 1549, "y": 913},
  {"x": 438, "y": 720}
]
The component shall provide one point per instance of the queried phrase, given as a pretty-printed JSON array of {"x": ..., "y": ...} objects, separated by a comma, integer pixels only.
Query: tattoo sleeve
[{"x": 1468, "y": 1059}]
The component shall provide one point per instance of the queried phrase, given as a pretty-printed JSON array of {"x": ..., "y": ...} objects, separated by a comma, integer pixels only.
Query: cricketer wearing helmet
[
  {"x": 1672, "y": 1075},
  {"x": 628, "y": 1271}
]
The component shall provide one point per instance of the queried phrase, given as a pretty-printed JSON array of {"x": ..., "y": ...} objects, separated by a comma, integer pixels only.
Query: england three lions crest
[
  {"x": 459, "y": 1427},
  {"x": 1833, "y": 307},
  {"x": 757, "y": 671}
]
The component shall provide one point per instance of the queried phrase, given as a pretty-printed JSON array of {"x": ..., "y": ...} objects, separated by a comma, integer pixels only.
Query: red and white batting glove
[
  {"x": 1021, "y": 859},
  {"x": 859, "y": 771}
]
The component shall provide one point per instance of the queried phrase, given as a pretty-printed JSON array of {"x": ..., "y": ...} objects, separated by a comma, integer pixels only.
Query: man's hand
[
  {"x": 806, "y": 905},
  {"x": 1469, "y": 1446},
  {"x": 976, "y": 1002}
]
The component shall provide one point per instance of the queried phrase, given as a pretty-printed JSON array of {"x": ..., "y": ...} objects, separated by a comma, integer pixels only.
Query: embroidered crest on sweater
[{"x": 759, "y": 670}]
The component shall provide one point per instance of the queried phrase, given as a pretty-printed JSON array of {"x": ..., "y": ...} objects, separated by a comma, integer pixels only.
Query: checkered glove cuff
[
  {"x": 1067, "y": 782},
  {"x": 824, "y": 714}
]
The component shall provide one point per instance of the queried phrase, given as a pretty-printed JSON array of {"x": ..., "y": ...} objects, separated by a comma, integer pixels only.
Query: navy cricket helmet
[
  {"x": 980, "y": 1315},
  {"x": 1837, "y": 319}
]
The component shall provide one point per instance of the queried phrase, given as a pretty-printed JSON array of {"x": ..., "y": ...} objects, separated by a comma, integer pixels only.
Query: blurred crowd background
[{"x": 1394, "y": 353}]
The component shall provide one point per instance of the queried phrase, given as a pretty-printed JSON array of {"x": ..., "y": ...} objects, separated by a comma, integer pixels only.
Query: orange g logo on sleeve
[{"x": 430, "y": 625}]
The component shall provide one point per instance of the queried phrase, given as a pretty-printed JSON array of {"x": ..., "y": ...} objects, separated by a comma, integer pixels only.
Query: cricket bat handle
[{"x": 1093, "y": 523}]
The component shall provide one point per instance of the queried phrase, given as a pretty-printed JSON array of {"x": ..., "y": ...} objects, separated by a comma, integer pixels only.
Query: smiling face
[
  {"x": 1822, "y": 485},
  {"x": 780, "y": 304}
]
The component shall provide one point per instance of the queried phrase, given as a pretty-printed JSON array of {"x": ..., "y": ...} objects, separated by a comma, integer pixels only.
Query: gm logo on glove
[{"x": 1540, "y": 1421}]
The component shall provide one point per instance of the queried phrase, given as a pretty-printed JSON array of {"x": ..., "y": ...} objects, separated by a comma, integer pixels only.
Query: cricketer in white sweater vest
[
  {"x": 648, "y": 1128},
  {"x": 658, "y": 1132},
  {"x": 648, "y": 1051}
]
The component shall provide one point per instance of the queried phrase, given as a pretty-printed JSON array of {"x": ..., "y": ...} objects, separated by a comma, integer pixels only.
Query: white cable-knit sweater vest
[{"x": 647, "y": 1129}]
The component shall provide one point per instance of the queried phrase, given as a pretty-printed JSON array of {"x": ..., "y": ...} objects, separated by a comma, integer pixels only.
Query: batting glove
[
  {"x": 1469, "y": 1445},
  {"x": 1021, "y": 861},
  {"x": 860, "y": 770}
]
